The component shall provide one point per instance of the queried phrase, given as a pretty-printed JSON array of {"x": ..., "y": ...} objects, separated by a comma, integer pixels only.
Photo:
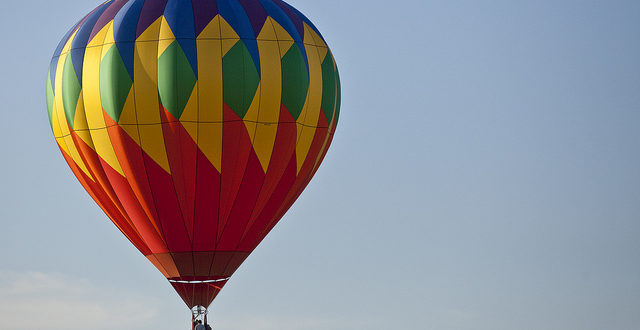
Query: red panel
[
  {"x": 104, "y": 202},
  {"x": 306, "y": 171},
  {"x": 301, "y": 181},
  {"x": 184, "y": 263},
  {"x": 285, "y": 145},
  {"x": 130, "y": 157},
  {"x": 220, "y": 262},
  {"x": 195, "y": 208},
  {"x": 198, "y": 294},
  {"x": 94, "y": 165},
  {"x": 153, "y": 187},
  {"x": 149, "y": 233},
  {"x": 234, "y": 263},
  {"x": 202, "y": 263},
  {"x": 181, "y": 153},
  {"x": 132, "y": 214},
  {"x": 236, "y": 147},
  {"x": 244, "y": 203},
  {"x": 164, "y": 194},
  {"x": 184, "y": 293},
  {"x": 257, "y": 231},
  {"x": 332, "y": 131},
  {"x": 207, "y": 202}
]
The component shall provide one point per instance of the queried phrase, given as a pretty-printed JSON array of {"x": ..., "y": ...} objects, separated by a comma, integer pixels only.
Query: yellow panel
[
  {"x": 210, "y": 80},
  {"x": 226, "y": 31},
  {"x": 80, "y": 123},
  {"x": 104, "y": 148},
  {"x": 57, "y": 97},
  {"x": 145, "y": 72},
  {"x": 254, "y": 108},
  {"x": 60, "y": 125},
  {"x": 270, "y": 94},
  {"x": 189, "y": 117},
  {"x": 165, "y": 36},
  {"x": 152, "y": 142},
  {"x": 55, "y": 125},
  {"x": 145, "y": 87},
  {"x": 212, "y": 30},
  {"x": 57, "y": 132},
  {"x": 92, "y": 102},
  {"x": 311, "y": 111},
  {"x": 152, "y": 32},
  {"x": 281, "y": 33},
  {"x": 128, "y": 114},
  {"x": 210, "y": 102},
  {"x": 128, "y": 121},
  {"x": 265, "y": 137},
  {"x": 66, "y": 141},
  {"x": 75, "y": 155},
  {"x": 61, "y": 128},
  {"x": 62, "y": 145},
  {"x": 316, "y": 40},
  {"x": 227, "y": 44},
  {"x": 271, "y": 77},
  {"x": 228, "y": 35},
  {"x": 251, "y": 117},
  {"x": 210, "y": 142},
  {"x": 108, "y": 39},
  {"x": 191, "y": 128},
  {"x": 190, "y": 112},
  {"x": 285, "y": 41},
  {"x": 268, "y": 33},
  {"x": 80, "y": 118}
]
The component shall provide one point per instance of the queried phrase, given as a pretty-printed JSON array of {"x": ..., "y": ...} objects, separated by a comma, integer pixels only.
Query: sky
[{"x": 485, "y": 175}]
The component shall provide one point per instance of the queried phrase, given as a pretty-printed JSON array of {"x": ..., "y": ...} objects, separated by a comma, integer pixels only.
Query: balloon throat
[{"x": 199, "y": 282}]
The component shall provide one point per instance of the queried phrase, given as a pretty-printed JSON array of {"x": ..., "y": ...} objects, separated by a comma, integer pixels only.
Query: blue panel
[
  {"x": 79, "y": 44},
  {"x": 179, "y": 15},
  {"x": 125, "y": 24},
  {"x": 233, "y": 12}
]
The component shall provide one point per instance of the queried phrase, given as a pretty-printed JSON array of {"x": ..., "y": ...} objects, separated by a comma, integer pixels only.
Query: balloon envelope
[{"x": 194, "y": 125}]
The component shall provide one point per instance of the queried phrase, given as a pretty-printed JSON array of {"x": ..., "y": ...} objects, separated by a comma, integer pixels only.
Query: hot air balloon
[{"x": 194, "y": 125}]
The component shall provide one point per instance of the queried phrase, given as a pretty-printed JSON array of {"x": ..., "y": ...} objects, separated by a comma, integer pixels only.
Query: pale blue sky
[{"x": 485, "y": 175}]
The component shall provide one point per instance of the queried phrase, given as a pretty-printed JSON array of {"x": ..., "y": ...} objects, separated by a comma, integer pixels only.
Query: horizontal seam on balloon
[
  {"x": 188, "y": 121},
  {"x": 172, "y": 39}
]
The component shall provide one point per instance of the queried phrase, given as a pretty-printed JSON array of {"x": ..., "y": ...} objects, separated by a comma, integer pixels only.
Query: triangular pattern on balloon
[{"x": 193, "y": 124}]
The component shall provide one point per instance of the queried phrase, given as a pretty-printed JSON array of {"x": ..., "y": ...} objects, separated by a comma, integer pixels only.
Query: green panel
[
  {"x": 70, "y": 90},
  {"x": 328, "y": 87},
  {"x": 338, "y": 98},
  {"x": 50, "y": 98},
  {"x": 239, "y": 79},
  {"x": 176, "y": 79},
  {"x": 295, "y": 81},
  {"x": 115, "y": 83}
]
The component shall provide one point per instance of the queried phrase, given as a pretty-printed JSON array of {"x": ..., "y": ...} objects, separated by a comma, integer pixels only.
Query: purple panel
[
  {"x": 151, "y": 11},
  {"x": 107, "y": 16},
  {"x": 203, "y": 12},
  {"x": 295, "y": 19},
  {"x": 257, "y": 14}
]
